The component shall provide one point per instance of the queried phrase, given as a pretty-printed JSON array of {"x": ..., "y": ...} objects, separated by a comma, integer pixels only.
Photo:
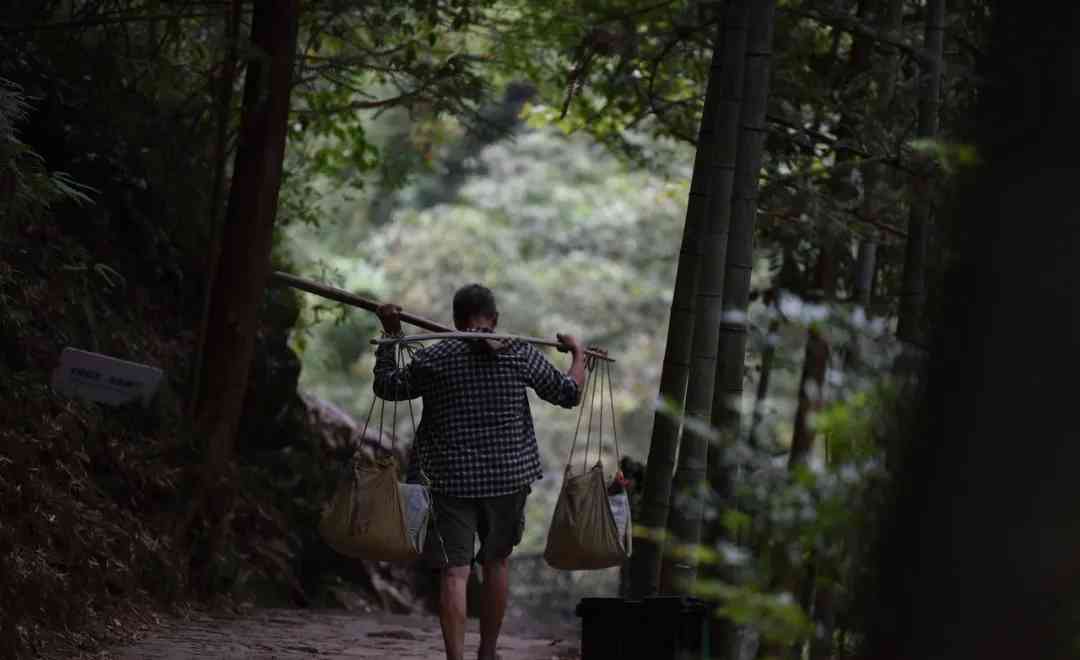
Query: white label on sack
[
  {"x": 416, "y": 499},
  {"x": 620, "y": 510}
]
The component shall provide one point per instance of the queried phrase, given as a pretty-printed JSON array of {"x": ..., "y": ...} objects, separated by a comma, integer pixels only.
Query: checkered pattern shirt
[{"x": 476, "y": 436}]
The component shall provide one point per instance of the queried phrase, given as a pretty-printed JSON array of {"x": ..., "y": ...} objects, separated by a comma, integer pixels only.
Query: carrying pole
[{"x": 341, "y": 296}]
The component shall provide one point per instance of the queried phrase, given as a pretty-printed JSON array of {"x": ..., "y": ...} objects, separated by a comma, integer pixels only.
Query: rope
[
  {"x": 611, "y": 401},
  {"x": 581, "y": 413},
  {"x": 367, "y": 421},
  {"x": 592, "y": 408},
  {"x": 600, "y": 439},
  {"x": 382, "y": 415},
  {"x": 411, "y": 350},
  {"x": 592, "y": 383},
  {"x": 424, "y": 480},
  {"x": 397, "y": 397}
]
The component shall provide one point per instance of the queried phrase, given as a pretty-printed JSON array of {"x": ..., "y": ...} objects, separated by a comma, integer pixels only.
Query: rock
[
  {"x": 347, "y": 600},
  {"x": 392, "y": 598},
  {"x": 338, "y": 433}
]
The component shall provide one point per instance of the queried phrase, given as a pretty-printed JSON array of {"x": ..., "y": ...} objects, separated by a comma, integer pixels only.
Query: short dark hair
[{"x": 473, "y": 300}]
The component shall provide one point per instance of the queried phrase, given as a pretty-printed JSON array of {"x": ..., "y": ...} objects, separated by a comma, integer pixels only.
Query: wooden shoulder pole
[{"x": 333, "y": 293}]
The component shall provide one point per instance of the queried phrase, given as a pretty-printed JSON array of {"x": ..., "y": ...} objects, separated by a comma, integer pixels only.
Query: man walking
[{"x": 477, "y": 446}]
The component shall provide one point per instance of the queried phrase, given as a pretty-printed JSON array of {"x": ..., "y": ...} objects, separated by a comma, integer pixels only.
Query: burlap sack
[
  {"x": 584, "y": 533},
  {"x": 372, "y": 516}
]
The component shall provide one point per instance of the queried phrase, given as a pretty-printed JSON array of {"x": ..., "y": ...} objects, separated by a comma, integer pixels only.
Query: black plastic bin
[{"x": 659, "y": 628}]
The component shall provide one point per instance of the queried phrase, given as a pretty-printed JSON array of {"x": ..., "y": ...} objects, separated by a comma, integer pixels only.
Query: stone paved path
[{"x": 289, "y": 634}]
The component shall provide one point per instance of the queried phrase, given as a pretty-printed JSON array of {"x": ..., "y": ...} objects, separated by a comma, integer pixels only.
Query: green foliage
[
  {"x": 401, "y": 183},
  {"x": 778, "y": 616},
  {"x": 950, "y": 156},
  {"x": 27, "y": 188},
  {"x": 571, "y": 240}
]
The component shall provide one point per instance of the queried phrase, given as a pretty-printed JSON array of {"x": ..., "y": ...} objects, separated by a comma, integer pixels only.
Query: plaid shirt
[{"x": 476, "y": 436}]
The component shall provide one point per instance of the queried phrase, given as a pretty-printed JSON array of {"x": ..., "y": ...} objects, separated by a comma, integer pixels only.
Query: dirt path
[{"x": 288, "y": 634}]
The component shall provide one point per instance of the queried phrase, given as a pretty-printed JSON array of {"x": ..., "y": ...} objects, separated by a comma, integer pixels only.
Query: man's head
[{"x": 474, "y": 308}]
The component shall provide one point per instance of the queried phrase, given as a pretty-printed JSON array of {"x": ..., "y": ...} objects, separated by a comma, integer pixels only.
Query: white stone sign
[{"x": 105, "y": 379}]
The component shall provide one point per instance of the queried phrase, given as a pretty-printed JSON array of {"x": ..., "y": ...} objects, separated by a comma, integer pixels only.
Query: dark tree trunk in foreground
[
  {"x": 246, "y": 236},
  {"x": 664, "y": 443},
  {"x": 982, "y": 558},
  {"x": 689, "y": 486}
]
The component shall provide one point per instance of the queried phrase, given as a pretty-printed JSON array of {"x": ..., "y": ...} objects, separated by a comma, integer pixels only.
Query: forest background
[{"x": 561, "y": 153}]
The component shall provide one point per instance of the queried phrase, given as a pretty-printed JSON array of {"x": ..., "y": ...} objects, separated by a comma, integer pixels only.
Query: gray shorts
[{"x": 499, "y": 522}]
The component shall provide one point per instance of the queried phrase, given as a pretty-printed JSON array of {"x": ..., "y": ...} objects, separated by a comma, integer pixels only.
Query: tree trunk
[
  {"x": 865, "y": 264},
  {"x": 224, "y": 116},
  {"x": 731, "y": 351},
  {"x": 821, "y": 646},
  {"x": 786, "y": 283},
  {"x": 664, "y": 443},
  {"x": 731, "y": 344},
  {"x": 797, "y": 578},
  {"x": 768, "y": 356},
  {"x": 913, "y": 293},
  {"x": 815, "y": 361},
  {"x": 980, "y": 560},
  {"x": 245, "y": 250},
  {"x": 890, "y": 17},
  {"x": 689, "y": 485}
]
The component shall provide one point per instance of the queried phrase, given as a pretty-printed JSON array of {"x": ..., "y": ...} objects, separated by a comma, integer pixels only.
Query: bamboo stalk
[
  {"x": 438, "y": 330},
  {"x": 678, "y": 575}
]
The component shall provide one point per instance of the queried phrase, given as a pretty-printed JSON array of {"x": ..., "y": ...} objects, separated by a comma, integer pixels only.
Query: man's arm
[
  {"x": 394, "y": 383},
  {"x": 550, "y": 385},
  {"x": 577, "y": 367}
]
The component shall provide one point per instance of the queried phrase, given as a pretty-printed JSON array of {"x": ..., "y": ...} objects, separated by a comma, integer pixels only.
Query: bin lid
[
  {"x": 605, "y": 606},
  {"x": 685, "y": 604}
]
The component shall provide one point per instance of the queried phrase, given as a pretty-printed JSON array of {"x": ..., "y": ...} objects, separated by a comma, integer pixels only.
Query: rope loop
[{"x": 597, "y": 378}]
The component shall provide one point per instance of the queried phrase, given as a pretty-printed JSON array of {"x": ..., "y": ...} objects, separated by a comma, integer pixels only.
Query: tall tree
[
  {"x": 246, "y": 237},
  {"x": 224, "y": 103},
  {"x": 664, "y": 442},
  {"x": 739, "y": 262},
  {"x": 732, "y": 337},
  {"x": 889, "y": 16},
  {"x": 980, "y": 561},
  {"x": 786, "y": 283},
  {"x": 815, "y": 360},
  {"x": 913, "y": 292},
  {"x": 690, "y": 481},
  {"x": 863, "y": 280}
]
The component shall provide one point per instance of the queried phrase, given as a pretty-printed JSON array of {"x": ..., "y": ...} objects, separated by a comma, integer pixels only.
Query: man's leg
[
  {"x": 452, "y": 610},
  {"x": 492, "y": 610},
  {"x": 449, "y": 546},
  {"x": 501, "y": 524}
]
